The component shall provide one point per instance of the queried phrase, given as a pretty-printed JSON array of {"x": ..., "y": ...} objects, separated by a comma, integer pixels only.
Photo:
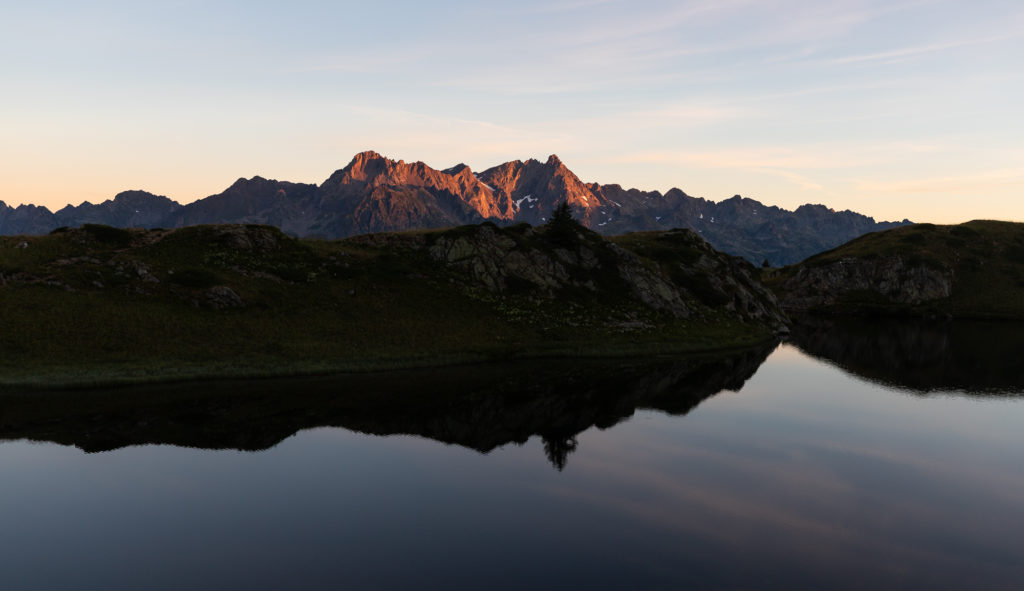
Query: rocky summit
[{"x": 377, "y": 194}]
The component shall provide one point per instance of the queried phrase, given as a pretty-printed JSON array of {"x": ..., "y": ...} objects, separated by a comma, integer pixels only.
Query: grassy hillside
[
  {"x": 99, "y": 304},
  {"x": 972, "y": 270}
]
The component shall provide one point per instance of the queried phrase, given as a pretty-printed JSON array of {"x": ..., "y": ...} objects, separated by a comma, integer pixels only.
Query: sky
[{"x": 895, "y": 109}]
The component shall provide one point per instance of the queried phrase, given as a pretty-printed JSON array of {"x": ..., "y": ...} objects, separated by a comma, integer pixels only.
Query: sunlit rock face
[{"x": 535, "y": 188}]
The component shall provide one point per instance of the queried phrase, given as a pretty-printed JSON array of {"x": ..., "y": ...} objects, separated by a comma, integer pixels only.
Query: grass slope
[{"x": 102, "y": 305}]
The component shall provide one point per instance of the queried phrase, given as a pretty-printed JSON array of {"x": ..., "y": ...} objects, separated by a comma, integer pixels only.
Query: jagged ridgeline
[
  {"x": 971, "y": 270},
  {"x": 376, "y": 194},
  {"x": 105, "y": 304}
]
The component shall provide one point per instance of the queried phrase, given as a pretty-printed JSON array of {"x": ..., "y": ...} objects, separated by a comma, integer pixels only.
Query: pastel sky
[{"x": 895, "y": 109}]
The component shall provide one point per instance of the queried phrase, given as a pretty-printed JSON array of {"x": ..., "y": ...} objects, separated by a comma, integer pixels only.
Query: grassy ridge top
[
  {"x": 979, "y": 265},
  {"x": 972, "y": 242},
  {"x": 99, "y": 304}
]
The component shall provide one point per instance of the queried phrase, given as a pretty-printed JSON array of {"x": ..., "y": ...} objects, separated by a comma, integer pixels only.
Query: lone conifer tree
[
  {"x": 562, "y": 215},
  {"x": 562, "y": 226}
]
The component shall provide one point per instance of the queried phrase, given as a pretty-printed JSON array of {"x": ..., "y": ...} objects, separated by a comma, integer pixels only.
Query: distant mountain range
[{"x": 376, "y": 194}]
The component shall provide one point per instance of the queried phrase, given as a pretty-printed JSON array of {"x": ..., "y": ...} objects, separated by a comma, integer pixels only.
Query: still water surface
[{"x": 789, "y": 474}]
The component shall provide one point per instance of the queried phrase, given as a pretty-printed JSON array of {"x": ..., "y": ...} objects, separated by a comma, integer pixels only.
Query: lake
[{"x": 857, "y": 456}]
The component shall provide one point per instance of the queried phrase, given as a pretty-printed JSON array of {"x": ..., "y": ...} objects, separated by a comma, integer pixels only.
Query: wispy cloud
[
  {"x": 800, "y": 180},
  {"x": 906, "y": 52},
  {"x": 974, "y": 183},
  {"x": 755, "y": 158},
  {"x": 634, "y": 24}
]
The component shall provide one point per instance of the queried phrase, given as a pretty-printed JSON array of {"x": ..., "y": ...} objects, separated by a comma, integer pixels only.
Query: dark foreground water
[{"x": 705, "y": 474}]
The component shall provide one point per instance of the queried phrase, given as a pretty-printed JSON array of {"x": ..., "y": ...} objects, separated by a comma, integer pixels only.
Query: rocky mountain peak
[
  {"x": 135, "y": 194},
  {"x": 465, "y": 179},
  {"x": 366, "y": 165},
  {"x": 255, "y": 181},
  {"x": 144, "y": 199},
  {"x": 367, "y": 156}
]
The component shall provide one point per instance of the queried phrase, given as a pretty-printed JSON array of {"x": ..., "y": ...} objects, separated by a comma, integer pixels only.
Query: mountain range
[{"x": 374, "y": 194}]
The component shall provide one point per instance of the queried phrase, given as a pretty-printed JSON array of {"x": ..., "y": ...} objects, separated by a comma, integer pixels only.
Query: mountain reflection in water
[
  {"x": 481, "y": 407},
  {"x": 808, "y": 477},
  {"x": 922, "y": 356}
]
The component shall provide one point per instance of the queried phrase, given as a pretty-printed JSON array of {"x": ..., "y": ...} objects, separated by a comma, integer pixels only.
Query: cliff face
[
  {"x": 376, "y": 194},
  {"x": 530, "y": 190},
  {"x": 891, "y": 279}
]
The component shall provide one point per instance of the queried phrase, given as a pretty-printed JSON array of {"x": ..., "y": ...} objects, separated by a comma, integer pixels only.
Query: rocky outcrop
[
  {"x": 492, "y": 258},
  {"x": 717, "y": 280},
  {"x": 222, "y": 297},
  {"x": 675, "y": 272},
  {"x": 652, "y": 288},
  {"x": 250, "y": 238},
  {"x": 888, "y": 279},
  {"x": 499, "y": 262}
]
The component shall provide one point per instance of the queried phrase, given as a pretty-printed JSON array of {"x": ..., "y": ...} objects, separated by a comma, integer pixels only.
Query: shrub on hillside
[
  {"x": 195, "y": 278},
  {"x": 108, "y": 234}
]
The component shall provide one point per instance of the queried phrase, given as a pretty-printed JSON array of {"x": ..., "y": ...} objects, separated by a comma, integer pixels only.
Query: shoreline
[{"x": 129, "y": 374}]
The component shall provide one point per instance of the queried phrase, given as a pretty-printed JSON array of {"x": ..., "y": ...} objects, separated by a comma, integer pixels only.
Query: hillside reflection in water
[
  {"x": 795, "y": 475},
  {"x": 923, "y": 356}
]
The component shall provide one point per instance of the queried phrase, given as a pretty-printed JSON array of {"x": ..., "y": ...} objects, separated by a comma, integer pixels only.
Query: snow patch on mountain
[{"x": 528, "y": 199}]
